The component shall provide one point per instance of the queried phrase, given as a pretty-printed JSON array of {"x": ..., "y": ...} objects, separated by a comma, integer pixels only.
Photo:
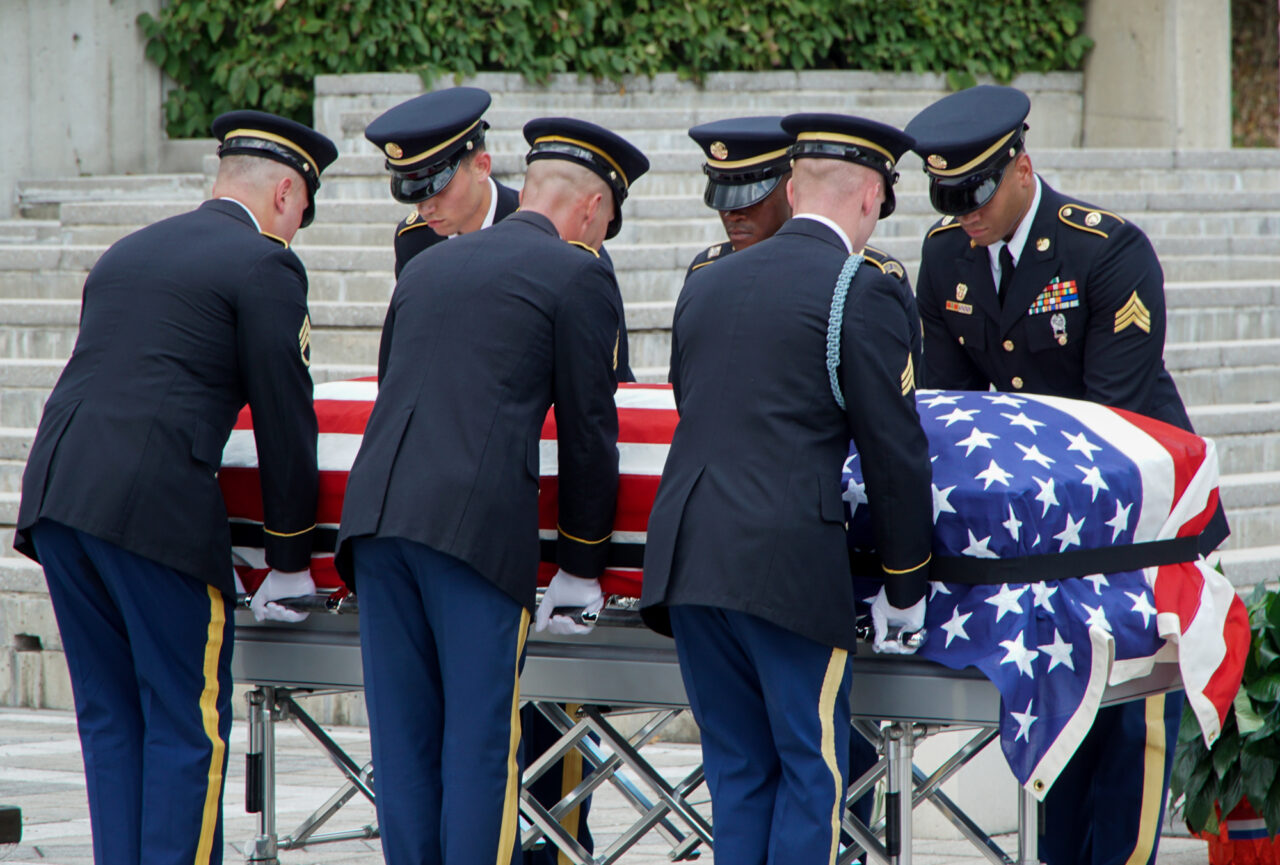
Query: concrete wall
[
  {"x": 1159, "y": 74},
  {"x": 78, "y": 95}
]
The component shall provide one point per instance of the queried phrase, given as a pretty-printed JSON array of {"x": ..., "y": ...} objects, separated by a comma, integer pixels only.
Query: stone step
[
  {"x": 30, "y": 230},
  {"x": 1246, "y": 567},
  {"x": 1253, "y": 527},
  {"x": 1259, "y": 489}
]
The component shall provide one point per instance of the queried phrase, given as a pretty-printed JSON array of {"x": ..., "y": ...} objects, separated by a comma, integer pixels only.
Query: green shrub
[{"x": 225, "y": 54}]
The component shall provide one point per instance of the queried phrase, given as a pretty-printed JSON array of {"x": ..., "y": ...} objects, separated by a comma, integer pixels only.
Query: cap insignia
[
  {"x": 719, "y": 150},
  {"x": 395, "y": 151},
  {"x": 961, "y": 290},
  {"x": 937, "y": 161},
  {"x": 1042, "y": 244},
  {"x": 1093, "y": 218}
]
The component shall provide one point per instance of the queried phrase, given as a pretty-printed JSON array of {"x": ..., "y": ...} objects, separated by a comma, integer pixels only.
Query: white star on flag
[
  {"x": 1032, "y": 454},
  {"x": 958, "y": 414},
  {"x": 941, "y": 399},
  {"x": 1006, "y": 600},
  {"x": 1021, "y": 419},
  {"x": 978, "y": 548},
  {"x": 1120, "y": 522},
  {"x": 1098, "y": 581},
  {"x": 1059, "y": 652},
  {"x": 1025, "y": 720},
  {"x": 955, "y": 626},
  {"x": 1143, "y": 606},
  {"x": 1093, "y": 480},
  {"x": 976, "y": 439},
  {"x": 993, "y": 474},
  {"x": 1097, "y": 616},
  {"x": 1004, "y": 399},
  {"x": 1017, "y": 653},
  {"x": 1046, "y": 496},
  {"x": 1079, "y": 442},
  {"x": 1013, "y": 523},
  {"x": 937, "y": 587},
  {"x": 1043, "y": 592},
  {"x": 1070, "y": 534},
  {"x": 855, "y": 494},
  {"x": 940, "y": 503},
  {"x": 848, "y": 463}
]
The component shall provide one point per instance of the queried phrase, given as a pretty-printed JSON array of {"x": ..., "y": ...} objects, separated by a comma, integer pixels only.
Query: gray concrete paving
[{"x": 41, "y": 771}]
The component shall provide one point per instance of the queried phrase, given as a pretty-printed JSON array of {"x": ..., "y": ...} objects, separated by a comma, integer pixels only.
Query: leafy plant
[
  {"x": 1245, "y": 760},
  {"x": 224, "y": 54}
]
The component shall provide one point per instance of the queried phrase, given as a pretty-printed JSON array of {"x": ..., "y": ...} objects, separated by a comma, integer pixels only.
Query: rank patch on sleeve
[
  {"x": 1133, "y": 312},
  {"x": 1054, "y": 296},
  {"x": 909, "y": 376},
  {"x": 304, "y": 341}
]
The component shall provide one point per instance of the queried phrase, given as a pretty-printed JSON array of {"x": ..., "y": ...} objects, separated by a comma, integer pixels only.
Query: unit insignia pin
[
  {"x": 1059, "y": 323},
  {"x": 1042, "y": 244},
  {"x": 961, "y": 290},
  {"x": 1093, "y": 219}
]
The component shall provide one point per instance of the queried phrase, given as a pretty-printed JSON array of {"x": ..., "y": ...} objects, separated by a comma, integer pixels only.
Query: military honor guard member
[
  {"x": 748, "y": 164},
  {"x": 1024, "y": 289},
  {"x": 434, "y": 144},
  {"x": 447, "y": 177},
  {"x": 181, "y": 324},
  {"x": 439, "y": 528},
  {"x": 781, "y": 354}
]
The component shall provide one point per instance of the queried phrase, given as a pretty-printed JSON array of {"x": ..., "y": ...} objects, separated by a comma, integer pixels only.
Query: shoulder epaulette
[
  {"x": 710, "y": 255},
  {"x": 279, "y": 240},
  {"x": 885, "y": 262},
  {"x": 410, "y": 222},
  {"x": 946, "y": 222},
  {"x": 1085, "y": 218},
  {"x": 581, "y": 245}
]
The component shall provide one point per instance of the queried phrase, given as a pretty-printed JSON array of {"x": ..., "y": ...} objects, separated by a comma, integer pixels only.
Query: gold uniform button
[
  {"x": 1016, "y": 382},
  {"x": 1008, "y": 345},
  {"x": 960, "y": 339}
]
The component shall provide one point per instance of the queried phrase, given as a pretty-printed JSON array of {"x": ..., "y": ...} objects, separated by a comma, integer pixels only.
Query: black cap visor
[
  {"x": 961, "y": 195},
  {"x": 417, "y": 186},
  {"x": 734, "y": 195}
]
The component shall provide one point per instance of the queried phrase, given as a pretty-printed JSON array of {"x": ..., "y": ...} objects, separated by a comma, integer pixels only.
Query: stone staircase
[{"x": 1210, "y": 215}]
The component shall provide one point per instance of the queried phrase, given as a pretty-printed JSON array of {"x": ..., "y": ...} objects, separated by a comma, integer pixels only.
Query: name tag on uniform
[
  {"x": 962, "y": 308},
  {"x": 1054, "y": 296}
]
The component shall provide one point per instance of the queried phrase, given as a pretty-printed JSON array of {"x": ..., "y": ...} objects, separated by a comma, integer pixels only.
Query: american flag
[
  {"x": 1032, "y": 476},
  {"x": 1014, "y": 476}
]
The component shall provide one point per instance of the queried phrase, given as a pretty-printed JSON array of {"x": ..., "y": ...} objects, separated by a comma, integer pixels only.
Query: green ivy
[
  {"x": 1245, "y": 760},
  {"x": 225, "y": 54}
]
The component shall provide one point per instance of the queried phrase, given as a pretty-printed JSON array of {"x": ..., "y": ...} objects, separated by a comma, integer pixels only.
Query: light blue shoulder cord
[{"x": 835, "y": 324}]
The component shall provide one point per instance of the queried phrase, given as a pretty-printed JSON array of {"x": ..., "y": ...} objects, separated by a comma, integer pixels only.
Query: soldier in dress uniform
[
  {"x": 781, "y": 354},
  {"x": 434, "y": 145},
  {"x": 435, "y": 151},
  {"x": 748, "y": 164},
  {"x": 440, "y": 527},
  {"x": 181, "y": 323},
  {"x": 1022, "y": 288}
]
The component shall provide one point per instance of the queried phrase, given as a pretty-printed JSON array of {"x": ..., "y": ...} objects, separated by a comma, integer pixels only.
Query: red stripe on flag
[{"x": 1186, "y": 449}]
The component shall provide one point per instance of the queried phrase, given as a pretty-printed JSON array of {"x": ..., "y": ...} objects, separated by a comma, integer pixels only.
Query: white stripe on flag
[
  {"x": 354, "y": 391},
  {"x": 633, "y": 459},
  {"x": 1201, "y": 644},
  {"x": 645, "y": 397}
]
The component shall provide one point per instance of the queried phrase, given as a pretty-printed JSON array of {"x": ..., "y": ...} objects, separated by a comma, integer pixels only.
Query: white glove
[
  {"x": 566, "y": 590},
  {"x": 885, "y": 616},
  {"x": 280, "y": 584}
]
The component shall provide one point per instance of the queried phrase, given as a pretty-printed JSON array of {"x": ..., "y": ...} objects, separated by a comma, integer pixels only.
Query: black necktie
[{"x": 1006, "y": 271}]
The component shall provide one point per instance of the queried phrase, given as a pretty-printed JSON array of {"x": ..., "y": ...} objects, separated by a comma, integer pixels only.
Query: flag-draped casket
[{"x": 1057, "y": 561}]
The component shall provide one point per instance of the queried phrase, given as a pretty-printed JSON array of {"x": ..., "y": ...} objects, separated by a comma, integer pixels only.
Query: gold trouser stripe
[
  {"x": 826, "y": 706},
  {"x": 584, "y": 540},
  {"x": 289, "y": 534},
  {"x": 926, "y": 561},
  {"x": 209, "y": 715},
  {"x": 511, "y": 799},
  {"x": 1152, "y": 782},
  {"x": 570, "y": 777}
]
